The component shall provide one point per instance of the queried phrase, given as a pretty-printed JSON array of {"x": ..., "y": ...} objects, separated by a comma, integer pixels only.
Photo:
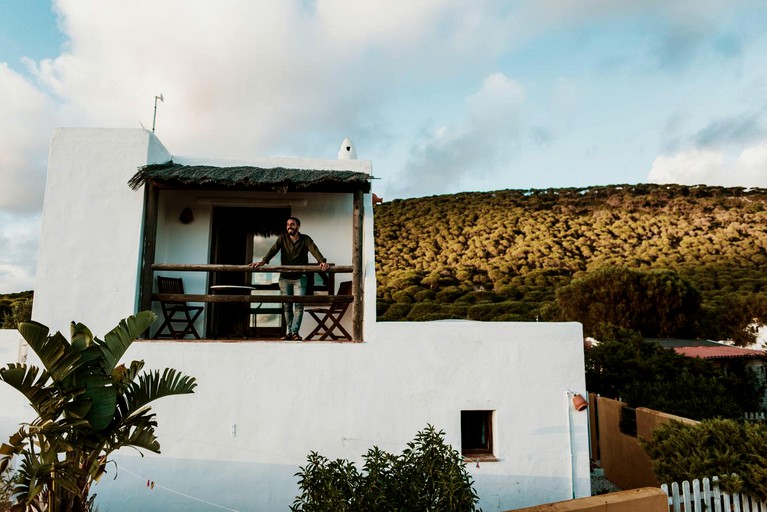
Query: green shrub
[
  {"x": 450, "y": 294},
  {"x": 480, "y": 297},
  {"x": 396, "y": 311},
  {"x": 19, "y": 311},
  {"x": 734, "y": 451},
  {"x": 425, "y": 295},
  {"x": 509, "y": 291},
  {"x": 402, "y": 297},
  {"x": 456, "y": 310},
  {"x": 426, "y": 311},
  {"x": 429, "y": 475},
  {"x": 401, "y": 279},
  {"x": 512, "y": 317},
  {"x": 407, "y": 295},
  {"x": 487, "y": 296},
  {"x": 440, "y": 278},
  {"x": 381, "y": 307},
  {"x": 498, "y": 311},
  {"x": 6, "y": 490}
]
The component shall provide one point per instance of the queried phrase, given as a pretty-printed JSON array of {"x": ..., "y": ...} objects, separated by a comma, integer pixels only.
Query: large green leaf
[
  {"x": 151, "y": 386},
  {"x": 24, "y": 379},
  {"x": 16, "y": 445},
  {"x": 137, "y": 430},
  {"x": 103, "y": 396},
  {"x": 117, "y": 341},
  {"x": 123, "y": 376},
  {"x": 54, "y": 351},
  {"x": 144, "y": 438},
  {"x": 81, "y": 336}
]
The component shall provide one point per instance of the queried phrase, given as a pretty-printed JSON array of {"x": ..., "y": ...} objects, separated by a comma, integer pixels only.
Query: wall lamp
[{"x": 186, "y": 216}]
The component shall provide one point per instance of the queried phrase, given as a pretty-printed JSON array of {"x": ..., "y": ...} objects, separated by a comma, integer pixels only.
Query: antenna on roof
[{"x": 155, "y": 109}]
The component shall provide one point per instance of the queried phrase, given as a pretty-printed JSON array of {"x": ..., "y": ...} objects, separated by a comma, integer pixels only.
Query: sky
[{"x": 443, "y": 96}]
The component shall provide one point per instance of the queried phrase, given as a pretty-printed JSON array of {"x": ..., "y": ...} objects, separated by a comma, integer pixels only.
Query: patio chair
[
  {"x": 176, "y": 312},
  {"x": 329, "y": 318}
]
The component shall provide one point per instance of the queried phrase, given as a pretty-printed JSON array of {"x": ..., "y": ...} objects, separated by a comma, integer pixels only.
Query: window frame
[{"x": 485, "y": 452}]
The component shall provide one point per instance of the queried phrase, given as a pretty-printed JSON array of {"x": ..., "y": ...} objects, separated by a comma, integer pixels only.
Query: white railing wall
[{"x": 705, "y": 496}]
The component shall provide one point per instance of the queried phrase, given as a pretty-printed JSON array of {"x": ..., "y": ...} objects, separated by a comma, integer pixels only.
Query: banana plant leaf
[{"x": 117, "y": 341}]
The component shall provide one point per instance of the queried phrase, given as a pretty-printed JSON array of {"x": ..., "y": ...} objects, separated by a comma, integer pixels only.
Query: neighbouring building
[
  {"x": 262, "y": 405},
  {"x": 722, "y": 355}
]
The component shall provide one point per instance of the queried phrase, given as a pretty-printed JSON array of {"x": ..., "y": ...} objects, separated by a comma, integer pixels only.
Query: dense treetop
[
  {"x": 517, "y": 247},
  {"x": 516, "y": 231},
  {"x": 15, "y": 308}
]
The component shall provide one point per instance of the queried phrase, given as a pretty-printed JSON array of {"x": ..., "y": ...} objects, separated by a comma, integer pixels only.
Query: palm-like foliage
[{"x": 87, "y": 407}]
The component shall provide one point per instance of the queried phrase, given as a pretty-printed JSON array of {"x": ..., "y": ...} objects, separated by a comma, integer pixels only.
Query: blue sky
[{"x": 442, "y": 95}]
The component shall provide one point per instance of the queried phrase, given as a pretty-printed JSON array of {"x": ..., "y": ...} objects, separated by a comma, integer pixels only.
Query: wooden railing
[{"x": 222, "y": 297}]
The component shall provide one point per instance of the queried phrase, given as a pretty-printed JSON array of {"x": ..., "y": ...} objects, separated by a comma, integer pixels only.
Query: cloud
[
  {"x": 27, "y": 117},
  {"x": 451, "y": 158},
  {"x": 248, "y": 78},
  {"x": 18, "y": 259},
  {"x": 26, "y": 123},
  {"x": 711, "y": 167},
  {"x": 722, "y": 152},
  {"x": 746, "y": 128}
]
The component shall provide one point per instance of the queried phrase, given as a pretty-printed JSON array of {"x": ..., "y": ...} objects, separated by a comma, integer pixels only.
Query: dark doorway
[{"x": 233, "y": 230}]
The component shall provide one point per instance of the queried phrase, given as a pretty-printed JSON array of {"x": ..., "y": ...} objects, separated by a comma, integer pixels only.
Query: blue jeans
[{"x": 294, "y": 312}]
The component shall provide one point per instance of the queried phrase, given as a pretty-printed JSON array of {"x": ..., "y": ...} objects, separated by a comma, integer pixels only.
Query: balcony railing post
[
  {"x": 151, "y": 200},
  {"x": 357, "y": 309}
]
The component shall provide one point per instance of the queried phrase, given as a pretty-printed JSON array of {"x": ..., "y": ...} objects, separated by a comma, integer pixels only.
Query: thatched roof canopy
[{"x": 278, "y": 179}]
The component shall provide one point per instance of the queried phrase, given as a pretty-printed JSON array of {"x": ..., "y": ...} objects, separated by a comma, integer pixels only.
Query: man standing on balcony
[{"x": 295, "y": 249}]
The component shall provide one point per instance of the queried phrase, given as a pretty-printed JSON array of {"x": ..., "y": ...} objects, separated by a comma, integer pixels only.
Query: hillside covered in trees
[
  {"x": 15, "y": 308},
  {"x": 666, "y": 260}
]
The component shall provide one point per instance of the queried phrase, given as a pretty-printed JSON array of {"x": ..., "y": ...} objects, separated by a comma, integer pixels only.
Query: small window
[{"x": 477, "y": 433}]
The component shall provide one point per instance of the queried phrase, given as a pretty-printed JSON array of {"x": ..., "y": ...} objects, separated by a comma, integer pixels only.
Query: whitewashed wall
[
  {"x": 87, "y": 267},
  {"x": 262, "y": 406}
]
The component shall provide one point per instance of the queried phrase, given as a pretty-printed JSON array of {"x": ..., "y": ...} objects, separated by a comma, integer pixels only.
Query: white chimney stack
[{"x": 347, "y": 151}]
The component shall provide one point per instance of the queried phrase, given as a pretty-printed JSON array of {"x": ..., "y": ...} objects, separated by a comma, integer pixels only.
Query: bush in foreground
[
  {"x": 429, "y": 475},
  {"x": 734, "y": 451}
]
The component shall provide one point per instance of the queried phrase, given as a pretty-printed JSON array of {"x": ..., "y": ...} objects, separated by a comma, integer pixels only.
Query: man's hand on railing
[
  {"x": 324, "y": 266},
  {"x": 256, "y": 264}
]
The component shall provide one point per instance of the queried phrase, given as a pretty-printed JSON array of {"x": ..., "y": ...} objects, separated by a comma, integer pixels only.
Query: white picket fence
[
  {"x": 755, "y": 416},
  {"x": 705, "y": 496}
]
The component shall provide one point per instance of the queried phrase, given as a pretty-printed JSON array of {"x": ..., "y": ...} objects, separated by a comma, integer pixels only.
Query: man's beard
[{"x": 291, "y": 231}]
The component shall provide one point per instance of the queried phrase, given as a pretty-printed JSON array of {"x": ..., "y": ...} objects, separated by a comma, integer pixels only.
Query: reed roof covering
[{"x": 277, "y": 179}]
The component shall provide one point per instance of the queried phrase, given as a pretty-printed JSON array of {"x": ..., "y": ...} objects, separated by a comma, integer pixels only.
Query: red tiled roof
[{"x": 722, "y": 352}]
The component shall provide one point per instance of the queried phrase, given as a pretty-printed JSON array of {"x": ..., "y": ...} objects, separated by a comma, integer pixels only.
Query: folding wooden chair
[
  {"x": 176, "y": 312},
  {"x": 329, "y": 318}
]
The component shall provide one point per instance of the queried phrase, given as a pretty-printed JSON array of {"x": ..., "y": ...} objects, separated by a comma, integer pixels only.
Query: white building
[{"x": 262, "y": 405}]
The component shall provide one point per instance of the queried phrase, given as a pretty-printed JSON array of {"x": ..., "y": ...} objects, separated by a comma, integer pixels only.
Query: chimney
[{"x": 347, "y": 151}]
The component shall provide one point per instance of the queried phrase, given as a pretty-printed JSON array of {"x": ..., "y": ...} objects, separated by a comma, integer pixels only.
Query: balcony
[{"x": 229, "y": 308}]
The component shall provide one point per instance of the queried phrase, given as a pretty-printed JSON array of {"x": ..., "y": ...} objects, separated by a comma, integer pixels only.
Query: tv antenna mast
[{"x": 154, "y": 117}]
